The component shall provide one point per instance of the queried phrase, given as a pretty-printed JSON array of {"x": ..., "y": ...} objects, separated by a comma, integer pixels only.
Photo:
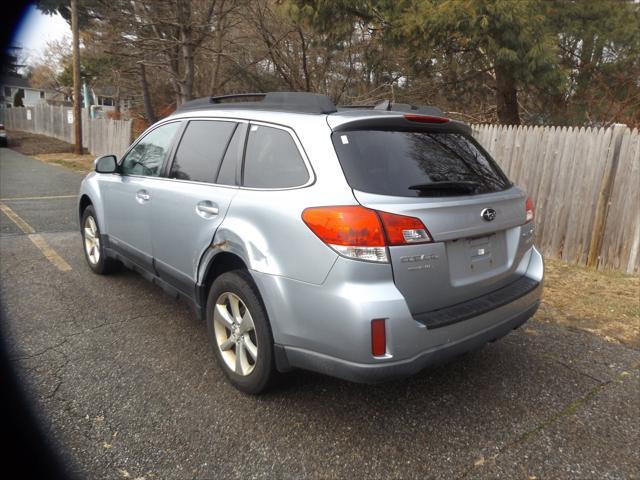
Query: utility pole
[{"x": 77, "y": 105}]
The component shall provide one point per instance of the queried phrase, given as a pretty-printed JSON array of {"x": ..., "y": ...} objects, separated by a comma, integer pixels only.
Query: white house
[{"x": 11, "y": 85}]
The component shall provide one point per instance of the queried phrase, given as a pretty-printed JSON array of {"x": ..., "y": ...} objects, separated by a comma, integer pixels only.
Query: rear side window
[
  {"x": 200, "y": 151},
  {"x": 272, "y": 160},
  {"x": 412, "y": 164},
  {"x": 233, "y": 156}
]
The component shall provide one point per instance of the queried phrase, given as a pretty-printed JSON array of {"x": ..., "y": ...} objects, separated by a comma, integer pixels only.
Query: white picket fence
[
  {"x": 585, "y": 183},
  {"x": 99, "y": 136}
]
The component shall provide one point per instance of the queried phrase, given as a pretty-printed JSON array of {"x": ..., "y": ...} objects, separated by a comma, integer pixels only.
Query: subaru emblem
[{"x": 488, "y": 214}]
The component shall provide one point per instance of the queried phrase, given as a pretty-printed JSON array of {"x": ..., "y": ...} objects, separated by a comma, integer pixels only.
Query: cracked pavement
[{"x": 125, "y": 383}]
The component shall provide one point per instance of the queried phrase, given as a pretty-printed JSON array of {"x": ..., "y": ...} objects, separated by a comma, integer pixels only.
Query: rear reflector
[
  {"x": 425, "y": 118},
  {"x": 529, "y": 210},
  {"x": 362, "y": 233},
  {"x": 378, "y": 338}
]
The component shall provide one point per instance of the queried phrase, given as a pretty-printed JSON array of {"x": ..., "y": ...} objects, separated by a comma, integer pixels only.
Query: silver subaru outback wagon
[{"x": 361, "y": 243}]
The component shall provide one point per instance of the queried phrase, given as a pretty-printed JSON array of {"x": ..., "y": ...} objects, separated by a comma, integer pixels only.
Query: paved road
[{"x": 126, "y": 384}]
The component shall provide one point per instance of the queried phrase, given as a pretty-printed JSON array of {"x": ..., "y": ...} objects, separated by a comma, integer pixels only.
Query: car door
[
  {"x": 128, "y": 196},
  {"x": 191, "y": 202}
]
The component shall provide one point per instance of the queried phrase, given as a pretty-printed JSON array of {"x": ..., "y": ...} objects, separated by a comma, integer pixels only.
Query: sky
[{"x": 36, "y": 29}]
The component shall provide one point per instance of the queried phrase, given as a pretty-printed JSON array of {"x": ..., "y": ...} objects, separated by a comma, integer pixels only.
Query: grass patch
[
  {"x": 604, "y": 303},
  {"x": 77, "y": 163}
]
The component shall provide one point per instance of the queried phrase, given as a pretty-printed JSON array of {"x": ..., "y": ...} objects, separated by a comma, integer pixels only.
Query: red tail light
[
  {"x": 412, "y": 117},
  {"x": 378, "y": 338},
  {"x": 362, "y": 233},
  {"x": 529, "y": 210},
  {"x": 403, "y": 230}
]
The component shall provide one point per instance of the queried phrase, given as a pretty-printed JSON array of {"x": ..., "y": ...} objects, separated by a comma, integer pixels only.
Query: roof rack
[
  {"x": 222, "y": 98},
  {"x": 388, "y": 106},
  {"x": 299, "y": 102}
]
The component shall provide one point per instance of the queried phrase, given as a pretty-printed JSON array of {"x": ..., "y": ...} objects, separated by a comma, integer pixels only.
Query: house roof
[{"x": 14, "y": 81}]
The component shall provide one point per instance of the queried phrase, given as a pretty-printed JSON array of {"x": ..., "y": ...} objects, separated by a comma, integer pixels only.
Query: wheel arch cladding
[{"x": 84, "y": 202}]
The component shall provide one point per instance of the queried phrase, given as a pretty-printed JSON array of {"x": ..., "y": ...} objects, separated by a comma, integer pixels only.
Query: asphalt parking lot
[{"x": 126, "y": 385}]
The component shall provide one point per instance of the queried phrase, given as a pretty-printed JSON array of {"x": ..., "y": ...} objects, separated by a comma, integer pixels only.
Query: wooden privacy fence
[
  {"x": 99, "y": 136},
  {"x": 585, "y": 184}
]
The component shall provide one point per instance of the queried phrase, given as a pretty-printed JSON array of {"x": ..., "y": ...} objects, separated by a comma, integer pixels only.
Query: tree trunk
[
  {"x": 77, "y": 107},
  {"x": 215, "y": 78},
  {"x": 146, "y": 96},
  {"x": 506, "y": 97},
  {"x": 116, "y": 100},
  {"x": 185, "y": 83}
]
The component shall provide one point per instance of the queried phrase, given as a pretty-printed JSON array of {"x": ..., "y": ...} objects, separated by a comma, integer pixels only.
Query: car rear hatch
[{"x": 436, "y": 172}]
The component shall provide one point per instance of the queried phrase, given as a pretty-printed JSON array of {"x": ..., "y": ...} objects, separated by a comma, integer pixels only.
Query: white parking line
[{"x": 37, "y": 239}]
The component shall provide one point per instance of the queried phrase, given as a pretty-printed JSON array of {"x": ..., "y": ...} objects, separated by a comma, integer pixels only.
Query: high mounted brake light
[
  {"x": 412, "y": 117},
  {"x": 361, "y": 233}
]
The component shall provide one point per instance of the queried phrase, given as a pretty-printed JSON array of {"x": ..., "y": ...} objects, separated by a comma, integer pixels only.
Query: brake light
[
  {"x": 402, "y": 230},
  {"x": 529, "y": 210},
  {"x": 361, "y": 233},
  {"x": 412, "y": 117},
  {"x": 352, "y": 231}
]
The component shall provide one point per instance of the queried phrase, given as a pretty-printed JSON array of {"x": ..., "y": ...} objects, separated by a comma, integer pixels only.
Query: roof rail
[
  {"x": 405, "y": 107},
  {"x": 355, "y": 107},
  {"x": 298, "y": 102},
  {"x": 388, "y": 106},
  {"x": 221, "y": 98}
]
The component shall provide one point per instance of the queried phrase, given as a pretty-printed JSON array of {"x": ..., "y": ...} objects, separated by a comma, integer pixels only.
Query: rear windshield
[{"x": 413, "y": 164}]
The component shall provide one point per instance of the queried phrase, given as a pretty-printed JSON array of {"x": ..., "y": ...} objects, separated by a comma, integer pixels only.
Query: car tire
[
  {"x": 231, "y": 330},
  {"x": 93, "y": 247}
]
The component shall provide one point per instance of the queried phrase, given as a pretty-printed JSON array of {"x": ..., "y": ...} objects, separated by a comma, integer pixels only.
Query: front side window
[
  {"x": 147, "y": 157},
  {"x": 272, "y": 160},
  {"x": 200, "y": 151}
]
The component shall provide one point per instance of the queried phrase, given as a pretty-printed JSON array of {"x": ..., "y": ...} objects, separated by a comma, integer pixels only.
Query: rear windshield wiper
[{"x": 446, "y": 186}]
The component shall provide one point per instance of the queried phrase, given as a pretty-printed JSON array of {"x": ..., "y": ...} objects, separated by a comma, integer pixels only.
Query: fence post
[{"x": 604, "y": 197}]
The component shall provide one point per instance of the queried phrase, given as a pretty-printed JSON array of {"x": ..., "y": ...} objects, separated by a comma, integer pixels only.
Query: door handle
[
  {"x": 207, "y": 209},
  {"x": 143, "y": 196}
]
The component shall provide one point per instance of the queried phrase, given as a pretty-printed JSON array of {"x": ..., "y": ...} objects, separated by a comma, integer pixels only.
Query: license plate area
[
  {"x": 476, "y": 258},
  {"x": 480, "y": 250}
]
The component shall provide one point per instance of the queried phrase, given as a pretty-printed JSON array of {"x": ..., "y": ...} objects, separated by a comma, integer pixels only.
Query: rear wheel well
[
  {"x": 221, "y": 263},
  {"x": 85, "y": 201}
]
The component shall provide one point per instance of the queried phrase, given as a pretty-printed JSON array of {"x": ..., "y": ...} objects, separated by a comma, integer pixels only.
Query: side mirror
[{"x": 106, "y": 164}]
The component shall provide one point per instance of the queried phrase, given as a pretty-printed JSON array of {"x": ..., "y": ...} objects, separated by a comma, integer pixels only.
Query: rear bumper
[
  {"x": 327, "y": 328},
  {"x": 375, "y": 373}
]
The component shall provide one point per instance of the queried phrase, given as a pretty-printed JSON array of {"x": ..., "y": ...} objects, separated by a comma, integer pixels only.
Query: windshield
[{"x": 413, "y": 164}]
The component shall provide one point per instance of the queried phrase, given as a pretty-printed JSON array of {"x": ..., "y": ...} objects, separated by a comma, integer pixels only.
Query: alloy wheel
[
  {"x": 235, "y": 334},
  {"x": 91, "y": 240}
]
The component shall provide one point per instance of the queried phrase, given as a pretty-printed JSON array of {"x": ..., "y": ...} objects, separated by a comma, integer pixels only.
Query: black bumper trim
[{"x": 478, "y": 306}]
